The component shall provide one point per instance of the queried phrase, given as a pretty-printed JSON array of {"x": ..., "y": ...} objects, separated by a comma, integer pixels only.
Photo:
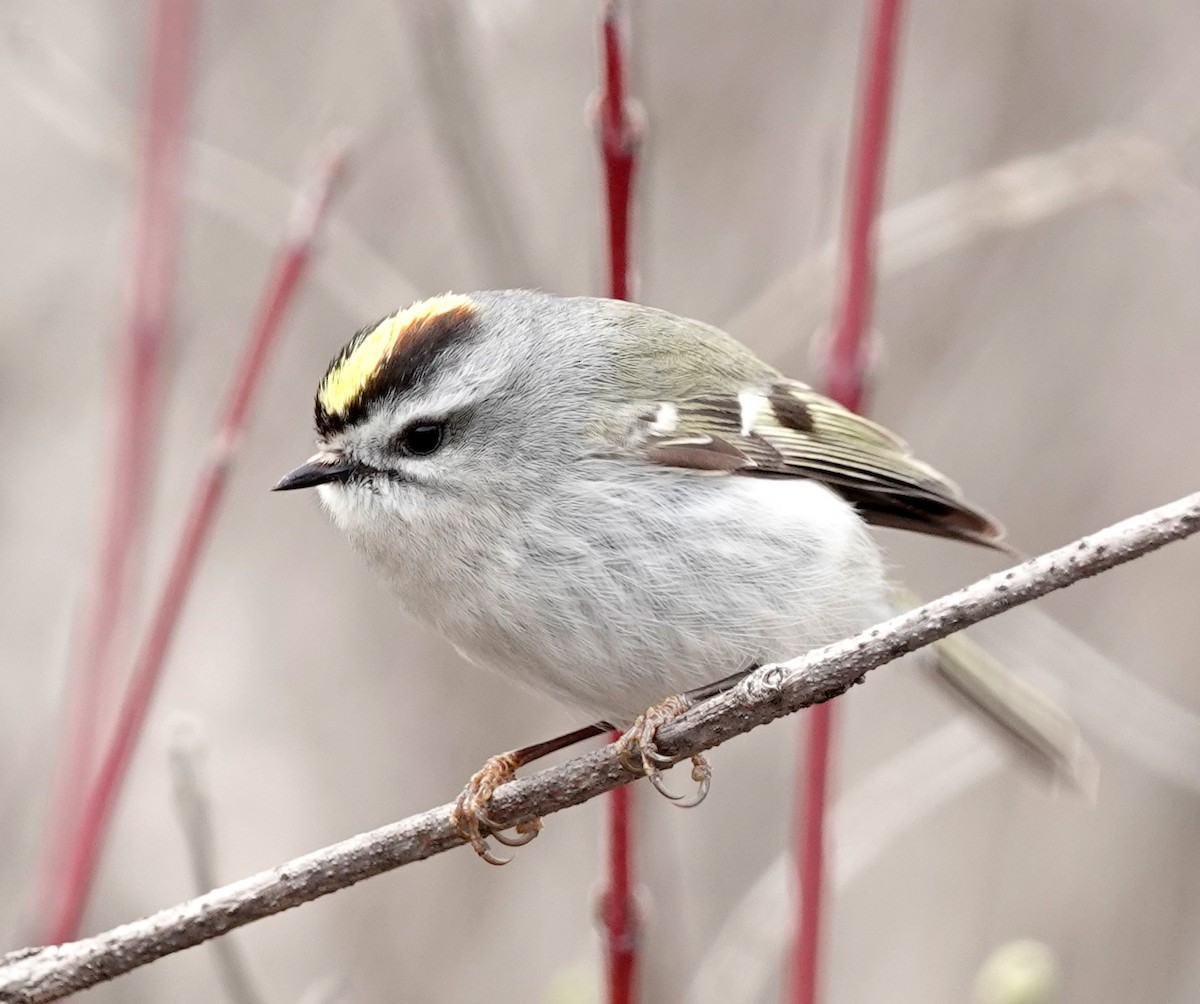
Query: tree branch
[{"x": 35, "y": 976}]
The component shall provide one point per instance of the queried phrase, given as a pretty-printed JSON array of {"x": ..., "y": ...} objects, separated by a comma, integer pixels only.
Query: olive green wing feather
[{"x": 786, "y": 429}]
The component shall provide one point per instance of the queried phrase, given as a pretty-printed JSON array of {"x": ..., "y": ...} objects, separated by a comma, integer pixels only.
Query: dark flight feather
[{"x": 789, "y": 430}]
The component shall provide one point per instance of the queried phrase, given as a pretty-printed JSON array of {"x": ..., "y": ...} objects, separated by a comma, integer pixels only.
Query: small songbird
[{"x": 609, "y": 503}]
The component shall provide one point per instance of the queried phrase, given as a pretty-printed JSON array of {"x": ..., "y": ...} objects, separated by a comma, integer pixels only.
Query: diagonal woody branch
[{"x": 35, "y": 976}]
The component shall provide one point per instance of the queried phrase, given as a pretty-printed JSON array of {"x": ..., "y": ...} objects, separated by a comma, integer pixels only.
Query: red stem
[
  {"x": 152, "y": 265},
  {"x": 845, "y": 382},
  {"x": 809, "y": 836},
  {"x": 620, "y": 917},
  {"x": 309, "y": 209},
  {"x": 619, "y": 140},
  {"x": 844, "y": 378}
]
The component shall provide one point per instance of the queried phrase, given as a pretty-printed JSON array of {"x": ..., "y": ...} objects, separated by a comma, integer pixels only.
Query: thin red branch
[
  {"x": 846, "y": 382},
  {"x": 151, "y": 281},
  {"x": 619, "y": 142},
  {"x": 845, "y": 377},
  {"x": 620, "y": 137},
  {"x": 309, "y": 210},
  {"x": 812, "y": 805},
  {"x": 619, "y": 907}
]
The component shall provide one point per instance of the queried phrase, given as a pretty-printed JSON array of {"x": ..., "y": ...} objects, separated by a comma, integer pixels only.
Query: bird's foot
[
  {"x": 470, "y": 809},
  {"x": 639, "y": 753}
]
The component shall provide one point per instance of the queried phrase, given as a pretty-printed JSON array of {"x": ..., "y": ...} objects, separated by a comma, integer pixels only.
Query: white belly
[{"x": 613, "y": 598}]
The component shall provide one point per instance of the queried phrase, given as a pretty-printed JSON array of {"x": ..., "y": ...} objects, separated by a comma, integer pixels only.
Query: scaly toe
[
  {"x": 466, "y": 820},
  {"x": 628, "y": 750},
  {"x": 638, "y": 752},
  {"x": 470, "y": 814},
  {"x": 651, "y": 755}
]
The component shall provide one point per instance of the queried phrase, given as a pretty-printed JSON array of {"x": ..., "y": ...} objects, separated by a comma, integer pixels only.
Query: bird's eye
[{"x": 420, "y": 439}]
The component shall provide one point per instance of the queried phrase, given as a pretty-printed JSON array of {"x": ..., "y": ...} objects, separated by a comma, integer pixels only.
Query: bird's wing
[{"x": 786, "y": 429}]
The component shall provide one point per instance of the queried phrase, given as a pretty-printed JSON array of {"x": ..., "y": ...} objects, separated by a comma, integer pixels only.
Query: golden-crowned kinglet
[{"x": 606, "y": 502}]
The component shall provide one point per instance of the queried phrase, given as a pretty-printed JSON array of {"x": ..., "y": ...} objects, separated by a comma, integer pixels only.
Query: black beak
[{"x": 318, "y": 470}]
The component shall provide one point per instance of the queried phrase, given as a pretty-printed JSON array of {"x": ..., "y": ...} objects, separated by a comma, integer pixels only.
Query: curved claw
[
  {"x": 657, "y": 781},
  {"x": 650, "y": 752},
  {"x": 701, "y": 774},
  {"x": 471, "y": 825},
  {"x": 484, "y": 850},
  {"x": 470, "y": 811},
  {"x": 624, "y": 755},
  {"x": 523, "y": 833},
  {"x": 468, "y": 824},
  {"x": 638, "y": 753}
]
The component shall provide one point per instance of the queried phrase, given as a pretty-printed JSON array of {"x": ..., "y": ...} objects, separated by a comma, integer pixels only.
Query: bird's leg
[
  {"x": 470, "y": 809},
  {"x": 639, "y": 739}
]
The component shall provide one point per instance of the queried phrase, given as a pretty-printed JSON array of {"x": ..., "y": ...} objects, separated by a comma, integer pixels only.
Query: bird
[{"x": 614, "y": 506}]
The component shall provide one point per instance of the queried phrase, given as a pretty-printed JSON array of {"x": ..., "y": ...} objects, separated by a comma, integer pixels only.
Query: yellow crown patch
[{"x": 349, "y": 376}]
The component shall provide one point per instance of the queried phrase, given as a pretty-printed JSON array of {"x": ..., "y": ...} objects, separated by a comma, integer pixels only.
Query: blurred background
[{"x": 1037, "y": 340}]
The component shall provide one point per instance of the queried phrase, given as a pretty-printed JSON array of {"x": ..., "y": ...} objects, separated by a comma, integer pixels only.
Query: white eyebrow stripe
[{"x": 751, "y": 404}]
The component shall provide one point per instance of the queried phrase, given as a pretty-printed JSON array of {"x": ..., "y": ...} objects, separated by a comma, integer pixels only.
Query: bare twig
[
  {"x": 33, "y": 977},
  {"x": 312, "y": 201}
]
